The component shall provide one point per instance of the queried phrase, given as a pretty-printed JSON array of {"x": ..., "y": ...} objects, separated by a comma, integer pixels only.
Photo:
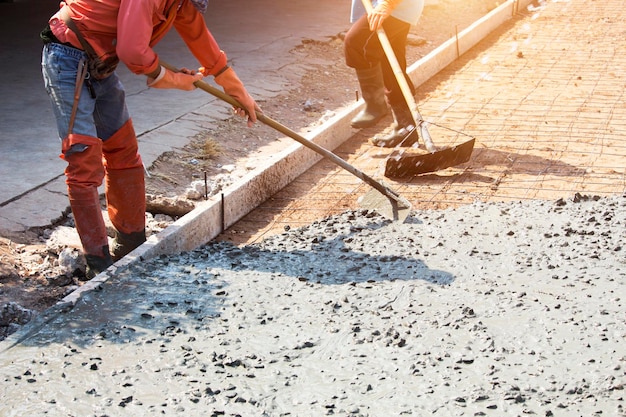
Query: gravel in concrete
[{"x": 489, "y": 309}]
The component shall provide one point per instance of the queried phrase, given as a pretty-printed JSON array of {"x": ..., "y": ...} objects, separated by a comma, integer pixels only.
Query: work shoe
[
  {"x": 373, "y": 92},
  {"x": 403, "y": 136},
  {"x": 368, "y": 116},
  {"x": 404, "y": 132},
  {"x": 125, "y": 243},
  {"x": 96, "y": 265}
]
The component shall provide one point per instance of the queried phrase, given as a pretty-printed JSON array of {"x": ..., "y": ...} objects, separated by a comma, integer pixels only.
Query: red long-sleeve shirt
[{"x": 130, "y": 28}]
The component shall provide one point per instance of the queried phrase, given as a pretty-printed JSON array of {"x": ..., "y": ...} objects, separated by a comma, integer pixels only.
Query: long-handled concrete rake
[
  {"x": 404, "y": 164},
  {"x": 382, "y": 198}
]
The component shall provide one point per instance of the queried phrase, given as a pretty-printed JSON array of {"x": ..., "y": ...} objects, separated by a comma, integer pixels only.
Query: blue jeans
[{"x": 102, "y": 107}]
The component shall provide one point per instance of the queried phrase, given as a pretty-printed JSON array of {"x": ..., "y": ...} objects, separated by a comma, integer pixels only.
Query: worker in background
[
  {"x": 83, "y": 43},
  {"x": 378, "y": 83}
]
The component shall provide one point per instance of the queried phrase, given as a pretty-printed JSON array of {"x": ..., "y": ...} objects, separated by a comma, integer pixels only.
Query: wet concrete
[{"x": 488, "y": 309}]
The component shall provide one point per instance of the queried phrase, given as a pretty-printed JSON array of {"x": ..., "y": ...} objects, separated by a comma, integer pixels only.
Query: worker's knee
[
  {"x": 83, "y": 155},
  {"x": 121, "y": 150}
]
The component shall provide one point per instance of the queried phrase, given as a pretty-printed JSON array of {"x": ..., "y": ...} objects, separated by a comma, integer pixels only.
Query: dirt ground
[{"x": 31, "y": 279}]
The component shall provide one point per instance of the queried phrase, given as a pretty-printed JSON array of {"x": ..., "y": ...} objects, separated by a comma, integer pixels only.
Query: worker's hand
[
  {"x": 233, "y": 86},
  {"x": 379, "y": 14},
  {"x": 183, "y": 80}
]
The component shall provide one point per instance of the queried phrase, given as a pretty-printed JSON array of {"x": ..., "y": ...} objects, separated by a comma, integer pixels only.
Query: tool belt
[{"x": 98, "y": 67}]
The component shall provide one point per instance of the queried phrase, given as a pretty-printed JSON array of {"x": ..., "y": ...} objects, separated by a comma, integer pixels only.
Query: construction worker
[
  {"x": 83, "y": 43},
  {"x": 378, "y": 83}
]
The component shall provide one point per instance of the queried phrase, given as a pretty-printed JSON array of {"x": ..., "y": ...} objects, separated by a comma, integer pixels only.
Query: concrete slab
[{"x": 28, "y": 145}]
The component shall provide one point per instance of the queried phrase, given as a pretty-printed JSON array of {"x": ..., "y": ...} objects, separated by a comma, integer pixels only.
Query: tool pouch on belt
[{"x": 99, "y": 67}]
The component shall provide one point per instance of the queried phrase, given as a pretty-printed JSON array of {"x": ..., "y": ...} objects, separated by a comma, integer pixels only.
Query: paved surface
[{"x": 250, "y": 32}]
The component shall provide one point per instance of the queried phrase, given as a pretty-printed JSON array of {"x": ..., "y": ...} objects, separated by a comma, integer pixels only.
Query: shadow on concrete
[
  {"x": 309, "y": 255},
  {"x": 161, "y": 298}
]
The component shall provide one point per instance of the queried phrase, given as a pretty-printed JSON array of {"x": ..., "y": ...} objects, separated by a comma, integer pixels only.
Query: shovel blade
[
  {"x": 407, "y": 165},
  {"x": 396, "y": 210}
]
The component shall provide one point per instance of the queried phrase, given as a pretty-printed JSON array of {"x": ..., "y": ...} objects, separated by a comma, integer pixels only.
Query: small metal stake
[{"x": 222, "y": 211}]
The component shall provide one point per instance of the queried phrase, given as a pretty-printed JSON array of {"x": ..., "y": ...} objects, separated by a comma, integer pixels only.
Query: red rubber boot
[
  {"x": 125, "y": 190},
  {"x": 84, "y": 175}
]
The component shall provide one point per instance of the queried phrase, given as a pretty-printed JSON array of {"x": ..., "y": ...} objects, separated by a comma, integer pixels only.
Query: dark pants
[{"x": 363, "y": 50}]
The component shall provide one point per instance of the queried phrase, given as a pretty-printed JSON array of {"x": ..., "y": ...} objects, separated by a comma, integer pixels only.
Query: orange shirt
[{"x": 130, "y": 28}]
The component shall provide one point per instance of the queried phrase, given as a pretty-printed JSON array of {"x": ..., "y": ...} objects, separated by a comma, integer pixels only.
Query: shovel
[
  {"x": 399, "y": 164},
  {"x": 382, "y": 198}
]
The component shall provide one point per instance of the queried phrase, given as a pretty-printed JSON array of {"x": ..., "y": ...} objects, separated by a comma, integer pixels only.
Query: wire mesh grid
[{"x": 544, "y": 98}]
